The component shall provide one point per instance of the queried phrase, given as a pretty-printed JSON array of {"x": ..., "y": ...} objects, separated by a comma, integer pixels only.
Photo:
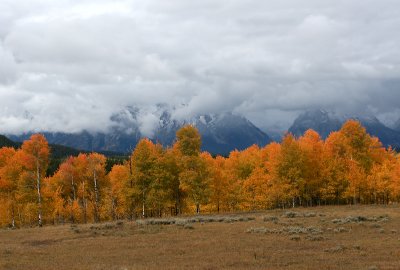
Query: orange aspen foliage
[
  {"x": 348, "y": 167},
  {"x": 37, "y": 152},
  {"x": 9, "y": 173},
  {"x": 119, "y": 177},
  {"x": 218, "y": 183}
]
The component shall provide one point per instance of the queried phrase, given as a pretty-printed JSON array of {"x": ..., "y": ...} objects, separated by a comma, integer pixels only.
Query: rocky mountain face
[
  {"x": 325, "y": 122},
  {"x": 319, "y": 120},
  {"x": 221, "y": 133},
  {"x": 228, "y": 131}
]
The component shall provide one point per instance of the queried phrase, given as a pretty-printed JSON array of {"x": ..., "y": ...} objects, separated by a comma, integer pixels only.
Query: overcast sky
[{"x": 68, "y": 65}]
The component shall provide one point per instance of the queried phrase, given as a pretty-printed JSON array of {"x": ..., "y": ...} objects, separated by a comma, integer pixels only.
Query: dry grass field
[{"x": 342, "y": 237}]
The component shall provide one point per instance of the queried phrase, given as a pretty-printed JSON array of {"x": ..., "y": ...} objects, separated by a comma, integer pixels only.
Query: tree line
[{"x": 349, "y": 167}]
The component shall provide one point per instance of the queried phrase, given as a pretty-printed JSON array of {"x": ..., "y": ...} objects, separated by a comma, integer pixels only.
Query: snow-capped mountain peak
[{"x": 221, "y": 133}]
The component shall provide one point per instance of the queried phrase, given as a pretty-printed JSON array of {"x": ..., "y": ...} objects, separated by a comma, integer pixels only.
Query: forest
[{"x": 349, "y": 167}]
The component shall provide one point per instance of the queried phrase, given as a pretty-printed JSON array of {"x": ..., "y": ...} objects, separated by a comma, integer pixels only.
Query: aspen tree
[{"x": 37, "y": 152}]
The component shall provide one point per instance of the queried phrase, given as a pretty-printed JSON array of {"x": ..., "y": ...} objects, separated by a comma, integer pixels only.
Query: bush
[
  {"x": 304, "y": 230},
  {"x": 376, "y": 225},
  {"x": 315, "y": 238},
  {"x": 262, "y": 230},
  {"x": 295, "y": 238},
  {"x": 119, "y": 223},
  {"x": 181, "y": 222},
  {"x": 340, "y": 230},
  {"x": 291, "y": 214},
  {"x": 360, "y": 219},
  {"x": 270, "y": 218},
  {"x": 310, "y": 214},
  {"x": 188, "y": 227}
]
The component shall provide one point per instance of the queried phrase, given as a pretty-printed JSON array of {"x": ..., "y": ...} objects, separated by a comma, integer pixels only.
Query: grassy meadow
[{"x": 340, "y": 237}]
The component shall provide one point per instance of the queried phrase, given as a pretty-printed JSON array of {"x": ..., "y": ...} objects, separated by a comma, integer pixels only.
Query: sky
[{"x": 69, "y": 65}]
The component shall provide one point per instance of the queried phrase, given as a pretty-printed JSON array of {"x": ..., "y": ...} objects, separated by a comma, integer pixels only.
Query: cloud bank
[{"x": 69, "y": 65}]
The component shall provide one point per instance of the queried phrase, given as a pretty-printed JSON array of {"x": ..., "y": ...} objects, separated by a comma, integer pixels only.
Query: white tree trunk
[
  {"x": 96, "y": 194},
  {"x": 39, "y": 193},
  {"x": 143, "y": 210},
  {"x": 84, "y": 203},
  {"x": 13, "y": 217},
  {"x": 73, "y": 187}
]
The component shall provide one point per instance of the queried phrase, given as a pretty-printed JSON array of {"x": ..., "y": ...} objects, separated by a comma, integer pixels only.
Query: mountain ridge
[
  {"x": 325, "y": 122},
  {"x": 221, "y": 133}
]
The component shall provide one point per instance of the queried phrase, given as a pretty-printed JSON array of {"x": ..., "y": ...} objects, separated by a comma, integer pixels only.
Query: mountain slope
[
  {"x": 228, "y": 131},
  {"x": 387, "y": 136},
  {"x": 326, "y": 122},
  {"x": 397, "y": 126},
  {"x": 58, "y": 153},
  {"x": 318, "y": 120},
  {"x": 220, "y": 133},
  {"x": 6, "y": 142}
]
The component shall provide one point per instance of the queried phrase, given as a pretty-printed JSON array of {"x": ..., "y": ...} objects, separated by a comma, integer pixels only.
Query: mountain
[
  {"x": 56, "y": 150},
  {"x": 58, "y": 153},
  {"x": 325, "y": 122},
  {"x": 387, "y": 136},
  {"x": 6, "y": 142},
  {"x": 221, "y": 133},
  {"x": 124, "y": 136},
  {"x": 275, "y": 132},
  {"x": 318, "y": 120},
  {"x": 226, "y": 132},
  {"x": 397, "y": 126}
]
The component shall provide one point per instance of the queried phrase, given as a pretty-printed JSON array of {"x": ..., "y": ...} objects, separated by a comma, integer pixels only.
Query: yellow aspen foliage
[{"x": 348, "y": 167}]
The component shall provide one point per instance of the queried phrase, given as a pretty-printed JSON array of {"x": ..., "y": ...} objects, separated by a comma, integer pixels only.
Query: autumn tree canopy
[{"x": 349, "y": 167}]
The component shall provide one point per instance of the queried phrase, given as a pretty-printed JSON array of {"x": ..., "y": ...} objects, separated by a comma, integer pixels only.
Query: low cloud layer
[{"x": 69, "y": 65}]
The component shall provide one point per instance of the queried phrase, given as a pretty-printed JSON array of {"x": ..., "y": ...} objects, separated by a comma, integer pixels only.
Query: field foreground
[{"x": 342, "y": 237}]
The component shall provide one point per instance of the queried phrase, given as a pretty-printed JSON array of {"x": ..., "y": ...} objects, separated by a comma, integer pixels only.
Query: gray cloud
[{"x": 69, "y": 65}]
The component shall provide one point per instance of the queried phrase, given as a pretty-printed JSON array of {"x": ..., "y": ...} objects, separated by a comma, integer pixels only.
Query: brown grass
[{"x": 345, "y": 237}]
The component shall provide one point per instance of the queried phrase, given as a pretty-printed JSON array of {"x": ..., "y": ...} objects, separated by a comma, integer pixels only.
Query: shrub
[
  {"x": 258, "y": 230},
  {"x": 310, "y": 214},
  {"x": 295, "y": 238},
  {"x": 340, "y": 230},
  {"x": 315, "y": 238},
  {"x": 360, "y": 219},
  {"x": 291, "y": 214},
  {"x": 188, "y": 226},
  {"x": 119, "y": 223},
  {"x": 270, "y": 218}
]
